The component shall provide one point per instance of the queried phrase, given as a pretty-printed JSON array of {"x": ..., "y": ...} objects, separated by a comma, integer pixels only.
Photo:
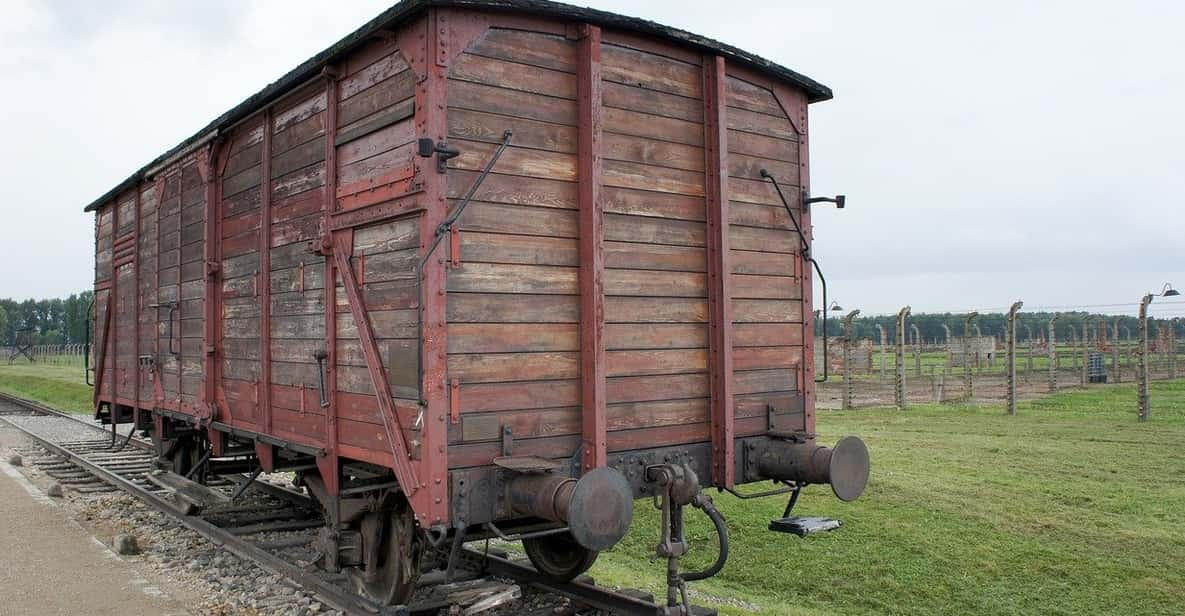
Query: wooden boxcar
[{"x": 326, "y": 280}]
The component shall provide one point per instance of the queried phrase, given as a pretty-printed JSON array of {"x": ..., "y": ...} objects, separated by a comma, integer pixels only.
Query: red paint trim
[
  {"x": 720, "y": 375},
  {"x": 432, "y": 505},
  {"x": 158, "y": 391},
  {"x": 370, "y": 214},
  {"x": 265, "y": 287},
  {"x": 808, "y": 313},
  {"x": 374, "y": 363},
  {"x": 594, "y": 443},
  {"x": 329, "y": 466},
  {"x": 210, "y": 167},
  {"x": 101, "y": 362},
  {"x": 112, "y": 336},
  {"x": 139, "y": 296}
]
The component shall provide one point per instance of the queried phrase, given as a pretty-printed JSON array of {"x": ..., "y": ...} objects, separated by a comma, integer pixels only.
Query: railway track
[{"x": 272, "y": 526}]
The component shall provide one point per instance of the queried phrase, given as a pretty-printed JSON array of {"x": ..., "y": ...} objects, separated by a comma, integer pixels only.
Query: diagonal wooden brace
[{"x": 404, "y": 471}]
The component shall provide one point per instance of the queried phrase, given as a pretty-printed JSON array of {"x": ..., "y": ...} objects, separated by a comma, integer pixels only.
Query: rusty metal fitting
[
  {"x": 598, "y": 508},
  {"x": 845, "y": 467},
  {"x": 678, "y": 480}
]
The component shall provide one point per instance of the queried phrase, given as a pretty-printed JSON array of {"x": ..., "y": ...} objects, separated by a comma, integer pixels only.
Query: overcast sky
[{"x": 990, "y": 151}]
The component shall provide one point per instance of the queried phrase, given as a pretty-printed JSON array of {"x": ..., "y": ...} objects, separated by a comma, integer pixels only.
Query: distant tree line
[
  {"x": 990, "y": 324},
  {"x": 52, "y": 321}
]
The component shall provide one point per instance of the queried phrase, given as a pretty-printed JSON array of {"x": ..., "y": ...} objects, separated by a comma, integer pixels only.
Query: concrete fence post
[
  {"x": 849, "y": 382},
  {"x": 968, "y": 377},
  {"x": 1073, "y": 343},
  {"x": 1029, "y": 354},
  {"x": 917, "y": 350},
  {"x": 899, "y": 381},
  {"x": 1010, "y": 366},
  {"x": 1172, "y": 347},
  {"x": 1118, "y": 369},
  {"x": 1142, "y": 359},
  {"x": 884, "y": 343},
  {"x": 1052, "y": 350}
]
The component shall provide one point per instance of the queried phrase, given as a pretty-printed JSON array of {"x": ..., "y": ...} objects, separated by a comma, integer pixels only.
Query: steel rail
[
  {"x": 326, "y": 592},
  {"x": 587, "y": 594}
]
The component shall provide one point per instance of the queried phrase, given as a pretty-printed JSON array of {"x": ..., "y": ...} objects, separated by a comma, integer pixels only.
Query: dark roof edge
[{"x": 310, "y": 68}]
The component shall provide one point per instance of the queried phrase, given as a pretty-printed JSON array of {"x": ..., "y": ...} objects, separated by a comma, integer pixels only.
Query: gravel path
[{"x": 186, "y": 565}]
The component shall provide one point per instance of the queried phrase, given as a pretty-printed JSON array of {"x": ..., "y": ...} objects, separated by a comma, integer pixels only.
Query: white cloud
[{"x": 979, "y": 145}]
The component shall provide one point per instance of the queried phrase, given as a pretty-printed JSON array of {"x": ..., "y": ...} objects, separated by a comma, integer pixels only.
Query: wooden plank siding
[
  {"x": 767, "y": 275},
  {"x": 514, "y": 299},
  {"x": 240, "y": 228},
  {"x": 655, "y": 246},
  {"x": 295, "y": 277},
  {"x": 375, "y": 149},
  {"x": 146, "y": 255},
  {"x": 552, "y": 298}
]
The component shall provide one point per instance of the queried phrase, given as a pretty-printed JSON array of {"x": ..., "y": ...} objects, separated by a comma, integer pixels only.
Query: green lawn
[
  {"x": 1070, "y": 507},
  {"x": 62, "y": 387}
]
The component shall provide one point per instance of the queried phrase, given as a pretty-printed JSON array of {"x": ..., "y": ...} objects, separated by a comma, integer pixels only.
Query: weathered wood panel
[{"x": 513, "y": 303}]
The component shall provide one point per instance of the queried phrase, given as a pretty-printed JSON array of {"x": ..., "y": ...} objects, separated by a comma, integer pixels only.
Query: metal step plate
[{"x": 802, "y": 526}]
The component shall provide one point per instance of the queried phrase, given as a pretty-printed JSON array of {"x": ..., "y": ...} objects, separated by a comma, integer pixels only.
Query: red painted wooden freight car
[{"x": 490, "y": 267}]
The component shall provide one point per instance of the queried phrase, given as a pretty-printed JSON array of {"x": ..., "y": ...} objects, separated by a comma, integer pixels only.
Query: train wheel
[
  {"x": 558, "y": 557},
  {"x": 398, "y": 556}
]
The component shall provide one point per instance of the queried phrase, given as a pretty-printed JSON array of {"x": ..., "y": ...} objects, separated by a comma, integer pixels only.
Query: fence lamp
[
  {"x": 835, "y": 307},
  {"x": 1168, "y": 291}
]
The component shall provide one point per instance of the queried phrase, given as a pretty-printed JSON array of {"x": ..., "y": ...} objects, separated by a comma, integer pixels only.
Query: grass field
[
  {"x": 1070, "y": 507},
  {"x": 62, "y": 387}
]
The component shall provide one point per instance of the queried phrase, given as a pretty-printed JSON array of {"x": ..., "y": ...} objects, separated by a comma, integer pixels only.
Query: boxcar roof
[{"x": 405, "y": 9}]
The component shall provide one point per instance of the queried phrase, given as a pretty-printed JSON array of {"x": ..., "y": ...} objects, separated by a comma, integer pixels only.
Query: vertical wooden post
[
  {"x": 899, "y": 382},
  {"x": 594, "y": 440},
  {"x": 1010, "y": 366},
  {"x": 720, "y": 374},
  {"x": 137, "y": 308},
  {"x": 112, "y": 335},
  {"x": 432, "y": 504},
  {"x": 263, "y": 451},
  {"x": 211, "y": 170},
  {"x": 330, "y": 470}
]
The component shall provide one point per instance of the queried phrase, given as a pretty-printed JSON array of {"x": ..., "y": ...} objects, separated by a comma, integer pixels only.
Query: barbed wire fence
[
  {"x": 46, "y": 354},
  {"x": 897, "y": 367}
]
